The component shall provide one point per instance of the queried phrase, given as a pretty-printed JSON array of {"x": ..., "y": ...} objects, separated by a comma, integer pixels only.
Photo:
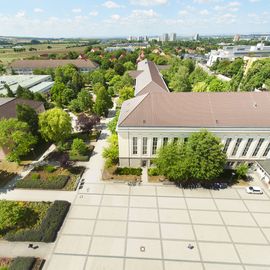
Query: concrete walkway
[
  {"x": 145, "y": 175},
  {"x": 37, "y": 195},
  {"x": 16, "y": 249}
]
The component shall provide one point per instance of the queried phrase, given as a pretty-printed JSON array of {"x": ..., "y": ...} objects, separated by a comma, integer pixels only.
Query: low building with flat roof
[
  {"x": 35, "y": 83},
  {"x": 28, "y": 66},
  {"x": 155, "y": 117}
]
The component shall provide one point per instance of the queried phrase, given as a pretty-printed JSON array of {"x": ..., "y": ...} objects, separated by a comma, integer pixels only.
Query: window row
[
  {"x": 154, "y": 144},
  {"x": 246, "y": 148}
]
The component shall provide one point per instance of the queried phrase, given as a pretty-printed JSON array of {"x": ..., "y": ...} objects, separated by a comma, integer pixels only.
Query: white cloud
[
  {"x": 38, "y": 10},
  {"x": 205, "y": 1},
  {"x": 254, "y": 1},
  {"x": 204, "y": 12},
  {"x": 111, "y": 4},
  {"x": 144, "y": 13},
  {"x": 76, "y": 10},
  {"x": 115, "y": 17},
  {"x": 183, "y": 12},
  {"x": 226, "y": 18},
  {"x": 20, "y": 14},
  {"x": 93, "y": 13},
  {"x": 230, "y": 7},
  {"x": 148, "y": 2}
]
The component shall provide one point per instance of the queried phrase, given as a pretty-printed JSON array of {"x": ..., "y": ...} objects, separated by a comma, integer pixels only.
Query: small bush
[
  {"x": 53, "y": 182},
  {"x": 35, "y": 176},
  {"x": 49, "y": 227},
  {"x": 49, "y": 169},
  {"x": 22, "y": 263},
  {"x": 153, "y": 172},
  {"x": 78, "y": 147},
  {"x": 128, "y": 171}
]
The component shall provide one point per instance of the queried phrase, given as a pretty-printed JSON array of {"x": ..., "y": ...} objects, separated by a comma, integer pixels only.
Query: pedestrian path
[{"x": 20, "y": 249}]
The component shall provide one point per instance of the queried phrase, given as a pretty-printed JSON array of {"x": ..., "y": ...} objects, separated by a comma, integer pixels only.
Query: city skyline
[{"x": 123, "y": 18}]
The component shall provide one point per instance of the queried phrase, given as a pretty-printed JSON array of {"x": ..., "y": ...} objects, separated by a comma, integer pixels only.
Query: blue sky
[{"x": 92, "y": 18}]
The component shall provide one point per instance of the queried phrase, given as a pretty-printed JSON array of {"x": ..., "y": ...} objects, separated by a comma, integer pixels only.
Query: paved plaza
[{"x": 113, "y": 226}]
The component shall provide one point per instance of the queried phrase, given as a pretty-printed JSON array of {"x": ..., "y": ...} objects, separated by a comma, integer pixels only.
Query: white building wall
[{"x": 128, "y": 159}]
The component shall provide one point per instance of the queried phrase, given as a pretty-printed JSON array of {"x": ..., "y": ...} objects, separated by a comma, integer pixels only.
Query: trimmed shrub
[
  {"x": 153, "y": 172},
  {"x": 128, "y": 171},
  {"x": 78, "y": 157},
  {"x": 35, "y": 176},
  {"x": 49, "y": 169},
  {"x": 78, "y": 147},
  {"x": 22, "y": 263},
  {"x": 53, "y": 182},
  {"x": 49, "y": 227}
]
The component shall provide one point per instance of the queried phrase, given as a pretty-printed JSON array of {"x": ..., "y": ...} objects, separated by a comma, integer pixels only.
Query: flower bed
[
  {"x": 49, "y": 177},
  {"x": 123, "y": 174},
  {"x": 48, "y": 228}
]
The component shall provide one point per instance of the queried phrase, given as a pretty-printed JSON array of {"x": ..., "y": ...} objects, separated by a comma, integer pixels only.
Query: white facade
[
  {"x": 245, "y": 144},
  {"x": 232, "y": 52}
]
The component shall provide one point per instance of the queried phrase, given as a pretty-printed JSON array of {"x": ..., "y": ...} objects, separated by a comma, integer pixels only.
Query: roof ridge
[{"x": 142, "y": 97}]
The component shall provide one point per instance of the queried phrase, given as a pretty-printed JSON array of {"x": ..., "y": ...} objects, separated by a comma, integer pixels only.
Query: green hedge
[
  {"x": 48, "y": 228},
  {"x": 22, "y": 263},
  {"x": 153, "y": 172},
  {"x": 53, "y": 182},
  {"x": 128, "y": 171},
  {"x": 82, "y": 157}
]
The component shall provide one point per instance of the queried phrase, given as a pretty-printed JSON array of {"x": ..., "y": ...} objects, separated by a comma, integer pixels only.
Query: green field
[{"x": 7, "y": 55}]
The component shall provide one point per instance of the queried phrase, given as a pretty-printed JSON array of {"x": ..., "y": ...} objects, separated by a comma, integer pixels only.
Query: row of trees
[{"x": 184, "y": 76}]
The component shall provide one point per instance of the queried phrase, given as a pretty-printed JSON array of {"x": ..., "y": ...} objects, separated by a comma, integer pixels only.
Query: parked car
[{"x": 254, "y": 190}]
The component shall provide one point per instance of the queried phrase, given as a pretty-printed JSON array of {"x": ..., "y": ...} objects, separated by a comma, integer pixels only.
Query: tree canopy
[
  {"x": 200, "y": 158},
  {"x": 55, "y": 125},
  {"x": 16, "y": 137}
]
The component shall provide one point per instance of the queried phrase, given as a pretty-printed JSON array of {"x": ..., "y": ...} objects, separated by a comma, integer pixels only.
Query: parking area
[{"x": 155, "y": 227}]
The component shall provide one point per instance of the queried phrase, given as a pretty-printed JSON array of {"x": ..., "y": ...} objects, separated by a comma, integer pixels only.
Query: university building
[{"x": 155, "y": 117}]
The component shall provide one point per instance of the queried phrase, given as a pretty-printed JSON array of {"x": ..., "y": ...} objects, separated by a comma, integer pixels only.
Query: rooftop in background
[
  {"x": 36, "y": 83},
  {"x": 198, "y": 110},
  {"x": 149, "y": 79},
  {"x": 42, "y": 64},
  {"x": 8, "y": 106}
]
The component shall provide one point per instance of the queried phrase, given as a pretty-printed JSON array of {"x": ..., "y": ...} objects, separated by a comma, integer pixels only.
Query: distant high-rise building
[
  {"x": 236, "y": 38},
  {"x": 196, "y": 37},
  {"x": 164, "y": 37},
  {"x": 173, "y": 37}
]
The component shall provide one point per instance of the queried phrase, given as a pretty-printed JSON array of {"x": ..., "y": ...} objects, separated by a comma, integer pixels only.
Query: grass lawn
[{"x": 36, "y": 211}]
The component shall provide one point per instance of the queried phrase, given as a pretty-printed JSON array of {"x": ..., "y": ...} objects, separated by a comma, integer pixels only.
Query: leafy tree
[
  {"x": 97, "y": 76},
  {"x": 111, "y": 153},
  {"x": 86, "y": 123},
  {"x": 28, "y": 115},
  {"x": 217, "y": 85},
  {"x": 2, "y": 69},
  {"x": 119, "y": 68},
  {"x": 241, "y": 171},
  {"x": 78, "y": 147},
  {"x": 200, "y": 158},
  {"x": 61, "y": 94},
  {"x": 180, "y": 81},
  {"x": 16, "y": 138},
  {"x": 198, "y": 75},
  {"x": 125, "y": 93},
  {"x": 171, "y": 162},
  {"x": 83, "y": 102},
  {"x": 205, "y": 157},
  {"x": 103, "y": 102},
  {"x": 24, "y": 93},
  {"x": 55, "y": 125},
  {"x": 113, "y": 123},
  {"x": 9, "y": 91},
  {"x": 129, "y": 66},
  {"x": 200, "y": 87},
  {"x": 12, "y": 215}
]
